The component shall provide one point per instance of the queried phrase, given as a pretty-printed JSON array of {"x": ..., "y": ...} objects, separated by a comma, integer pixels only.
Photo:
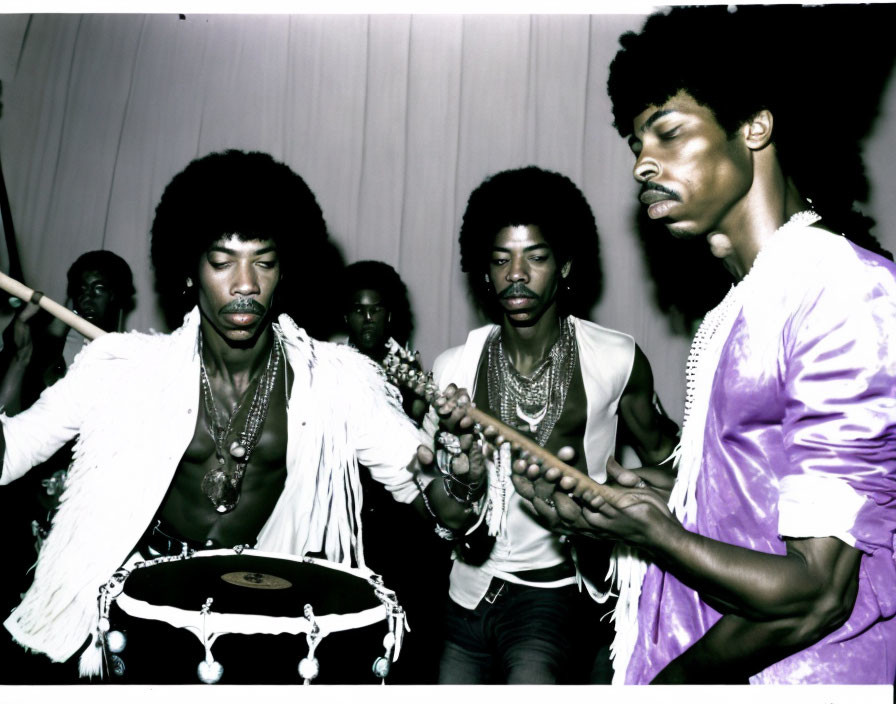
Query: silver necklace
[
  {"x": 532, "y": 403},
  {"x": 221, "y": 484}
]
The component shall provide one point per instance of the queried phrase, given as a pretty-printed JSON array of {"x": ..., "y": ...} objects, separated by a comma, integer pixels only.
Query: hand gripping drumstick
[
  {"x": 20, "y": 290},
  {"x": 398, "y": 355},
  {"x": 537, "y": 452}
]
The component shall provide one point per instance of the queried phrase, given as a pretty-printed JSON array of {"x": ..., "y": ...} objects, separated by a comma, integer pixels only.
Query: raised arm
[
  {"x": 20, "y": 358},
  {"x": 32, "y": 436}
]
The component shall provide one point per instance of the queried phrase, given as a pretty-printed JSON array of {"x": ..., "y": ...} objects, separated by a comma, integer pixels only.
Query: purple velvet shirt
[{"x": 800, "y": 441}]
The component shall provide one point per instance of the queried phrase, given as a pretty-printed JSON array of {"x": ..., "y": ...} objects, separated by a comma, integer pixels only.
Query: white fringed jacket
[{"x": 132, "y": 399}]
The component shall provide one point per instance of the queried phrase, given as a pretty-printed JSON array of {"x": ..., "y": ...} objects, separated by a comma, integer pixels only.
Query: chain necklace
[
  {"x": 221, "y": 484},
  {"x": 532, "y": 403}
]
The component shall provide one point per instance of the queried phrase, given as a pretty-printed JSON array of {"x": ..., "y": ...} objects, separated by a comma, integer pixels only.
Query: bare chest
[
  {"x": 191, "y": 505},
  {"x": 569, "y": 427}
]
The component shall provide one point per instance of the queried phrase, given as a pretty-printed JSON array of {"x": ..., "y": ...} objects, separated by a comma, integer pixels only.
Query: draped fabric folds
[{"x": 392, "y": 120}]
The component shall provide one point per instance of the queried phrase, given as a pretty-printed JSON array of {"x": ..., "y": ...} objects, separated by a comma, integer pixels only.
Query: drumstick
[
  {"x": 515, "y": 438},
  {"x": 73, "y": 320},
  {"x": 398, "y": 355}
]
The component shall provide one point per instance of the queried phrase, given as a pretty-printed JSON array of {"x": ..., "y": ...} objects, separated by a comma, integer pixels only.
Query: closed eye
[{"x": 669, "y": 134}]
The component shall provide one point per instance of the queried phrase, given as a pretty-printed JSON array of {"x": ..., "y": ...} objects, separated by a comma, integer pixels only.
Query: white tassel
[
  {"x": 499, "y": 488},
  {"x": 628, "y": 569},
  {"x": 90, "y": 664}
]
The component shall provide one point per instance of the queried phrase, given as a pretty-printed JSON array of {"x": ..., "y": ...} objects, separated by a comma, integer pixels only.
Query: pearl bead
[
  {"x": 309, "y": 668},
  {"x": 210, "y": 672},
  {"x": 116, "y": 641},
  {"x": 237, "y": 451}
]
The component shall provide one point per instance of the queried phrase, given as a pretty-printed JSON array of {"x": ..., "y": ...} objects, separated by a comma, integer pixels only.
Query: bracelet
[
  {"x": 470, "y": 495},
  {"x": 449, "y": 441},
  {"x": 36, "y": 296},
  {"x": 440, "y": 530},
  {"x": 465, "y": 485}
]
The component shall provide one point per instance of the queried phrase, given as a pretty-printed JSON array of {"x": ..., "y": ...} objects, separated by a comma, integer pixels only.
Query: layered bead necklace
[
  {"x": 221, "y": 484},
  {"x": 532, "y": 403}
]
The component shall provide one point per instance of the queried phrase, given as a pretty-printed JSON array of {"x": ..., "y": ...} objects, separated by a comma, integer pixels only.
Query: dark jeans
[{"x": 529, "y": 635}]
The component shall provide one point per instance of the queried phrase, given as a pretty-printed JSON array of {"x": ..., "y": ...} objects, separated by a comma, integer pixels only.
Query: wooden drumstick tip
[
  {"x": 546, "y": 459},
  {"x": 73, "y": 320},
  {"x": 535, "y": 453}
]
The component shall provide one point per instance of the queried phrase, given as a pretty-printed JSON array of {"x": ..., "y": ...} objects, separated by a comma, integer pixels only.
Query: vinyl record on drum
[
  {"x": 251, "y": 584},
  {"x": 256, "y": 580}
]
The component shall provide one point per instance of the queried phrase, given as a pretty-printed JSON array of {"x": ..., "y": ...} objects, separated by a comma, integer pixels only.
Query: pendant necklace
[
  {"x": 221, "y": 484},
  {"x": 532, "y": 403}
]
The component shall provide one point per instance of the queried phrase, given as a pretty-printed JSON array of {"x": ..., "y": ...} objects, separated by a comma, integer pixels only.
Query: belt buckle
[{"x": 493, "y": 592}]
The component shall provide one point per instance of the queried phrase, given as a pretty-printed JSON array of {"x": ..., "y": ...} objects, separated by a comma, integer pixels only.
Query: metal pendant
[{"x": 532, "y": 421}]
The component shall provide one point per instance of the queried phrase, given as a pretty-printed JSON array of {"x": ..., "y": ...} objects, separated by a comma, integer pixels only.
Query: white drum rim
[
  {"x": 253, "y": 624},
  {"x": 247, "y": 624}
]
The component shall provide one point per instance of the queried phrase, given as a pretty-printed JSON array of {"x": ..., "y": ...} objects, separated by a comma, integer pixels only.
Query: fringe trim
[
  {"x": 90, "y": 664},
  {"x": 627, "y": 571},
  {"x": 629, "y": 568},
  {"x": 706, "y": 351},
  {"x": 87, "y": 545},
  {"x": 320, "y": 509}
]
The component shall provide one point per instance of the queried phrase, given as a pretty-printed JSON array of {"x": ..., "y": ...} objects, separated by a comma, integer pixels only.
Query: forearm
[
  {"x": 760, "y": 586},
  {"x": 658, "y": 454},
  {"x": 735, "y": 649},
  {"x": 645, "y": 424},
  {"x": 11, "y": 387}
]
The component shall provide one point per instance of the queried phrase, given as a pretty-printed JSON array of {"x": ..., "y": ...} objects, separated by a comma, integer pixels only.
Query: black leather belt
[
  {"x": 548, "y": 574},
  {"x": 499, "y": 586}
]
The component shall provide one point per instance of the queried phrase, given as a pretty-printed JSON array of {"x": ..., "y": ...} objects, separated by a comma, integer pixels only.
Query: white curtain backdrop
[{"x": 392, "y": 121}]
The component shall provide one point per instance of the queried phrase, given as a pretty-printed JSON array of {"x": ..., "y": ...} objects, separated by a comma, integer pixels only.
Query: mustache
[
  {"x": 518, "y": 290},
  {"x": 653, "y": 186},
  {"x": 244, "y": 305}
]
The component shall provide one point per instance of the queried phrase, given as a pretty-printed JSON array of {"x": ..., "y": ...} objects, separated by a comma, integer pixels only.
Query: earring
[
  {"x": 188, "y": 284},
  {"x": 487, "y": 279}
]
